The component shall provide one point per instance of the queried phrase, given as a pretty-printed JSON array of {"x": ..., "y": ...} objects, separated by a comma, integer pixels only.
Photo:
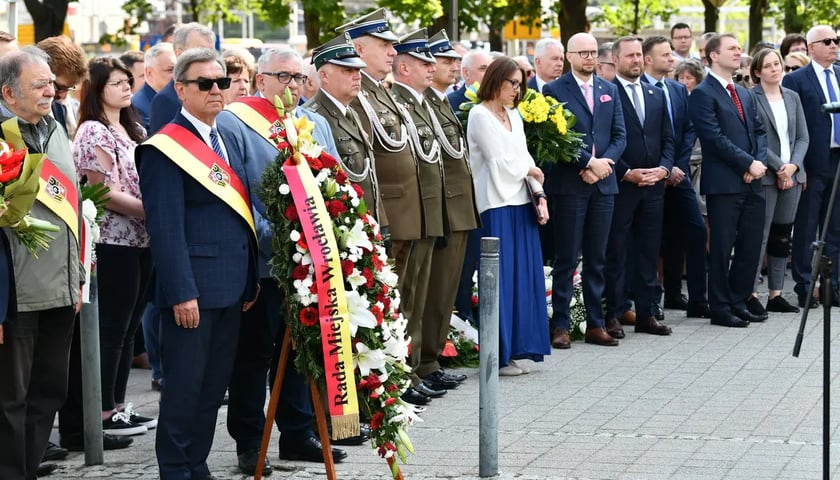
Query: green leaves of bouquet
[{"x": 548, "y": 129}]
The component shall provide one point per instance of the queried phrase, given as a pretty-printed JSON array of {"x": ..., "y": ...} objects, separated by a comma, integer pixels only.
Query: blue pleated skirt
[{"x": 523, "y": 318}]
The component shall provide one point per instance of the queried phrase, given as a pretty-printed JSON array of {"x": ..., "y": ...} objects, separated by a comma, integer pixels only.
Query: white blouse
[
  {"x": 499, "y": 159},
  {"x": 780, "y": 115}
]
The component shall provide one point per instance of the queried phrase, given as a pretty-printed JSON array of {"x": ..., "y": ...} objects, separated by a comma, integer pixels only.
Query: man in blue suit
[
  {"x": 734, "y": 159},
  {"x": 166, "y": 103},
  {"x": 159, "y": 61},
  {"x": 642, "y": 169},
  {"x": 548, "y": 63},
  {"x": 204, "y": 247},
  {"x": 816, "y": 85},
  {"x": 581, "y": 193},
  {"x": 263, "y": 327},
  {"x": 684, "y": 230},
  {"x": 473, "y": 66}
]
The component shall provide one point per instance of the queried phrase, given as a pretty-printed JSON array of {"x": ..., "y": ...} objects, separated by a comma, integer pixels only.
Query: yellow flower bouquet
[{"x": 548, "y": 129}]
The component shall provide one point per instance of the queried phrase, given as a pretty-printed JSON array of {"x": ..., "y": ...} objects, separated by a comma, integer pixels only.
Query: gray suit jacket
[{"x": 797, "y": 133}]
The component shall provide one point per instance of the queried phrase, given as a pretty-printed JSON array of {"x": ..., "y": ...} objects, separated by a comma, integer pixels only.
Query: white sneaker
[
  {"x": 134, "y": 417},
  {"x": 526, "y": 369},
  {"x": 510, "y": 370},
  {"x": 120, "y": 425}
]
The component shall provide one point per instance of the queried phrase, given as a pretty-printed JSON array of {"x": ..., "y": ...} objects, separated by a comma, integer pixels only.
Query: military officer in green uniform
[
  {"x": 396, "y": 168},
  {"x": 461, "y": 214},
  {"x": 339, "y": 71}
]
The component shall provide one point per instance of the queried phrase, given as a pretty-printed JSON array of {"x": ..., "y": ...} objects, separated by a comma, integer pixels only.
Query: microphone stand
[{"x": 822, "y": 265}]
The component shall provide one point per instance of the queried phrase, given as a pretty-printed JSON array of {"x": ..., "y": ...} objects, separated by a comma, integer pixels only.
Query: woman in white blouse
[
  {"x": 787, "y": 141},
  {"x": 501, "y": 167}
]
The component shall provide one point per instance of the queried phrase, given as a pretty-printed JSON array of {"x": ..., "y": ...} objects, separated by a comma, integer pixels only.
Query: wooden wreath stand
[{"x": 320, "y": 416}]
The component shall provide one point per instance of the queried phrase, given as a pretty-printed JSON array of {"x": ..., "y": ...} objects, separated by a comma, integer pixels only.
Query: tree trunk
[
  {"x": 636, "y": 16},
  {"x": 758, "y": 8},
  {"x": 792, "y": 21},
  {"x": 48, "y": 17},
  {"x": 572, "y": 19},
  {"x": 494, "y": 34},
  {"x": 710, "y": 16},
  {"x": 312, "y": 28}
]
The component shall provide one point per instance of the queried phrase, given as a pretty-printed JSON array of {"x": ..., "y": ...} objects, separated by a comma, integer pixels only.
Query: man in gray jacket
[{"x": 36, "y": 344}]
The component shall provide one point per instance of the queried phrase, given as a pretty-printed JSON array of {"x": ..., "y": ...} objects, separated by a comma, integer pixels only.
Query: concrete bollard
[
  {"x": 488, "y": 305},
  {"x": 91, "y": 378}
]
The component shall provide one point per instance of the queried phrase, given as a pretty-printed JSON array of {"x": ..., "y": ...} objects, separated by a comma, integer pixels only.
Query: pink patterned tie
[{"x": 587, "y": 94}]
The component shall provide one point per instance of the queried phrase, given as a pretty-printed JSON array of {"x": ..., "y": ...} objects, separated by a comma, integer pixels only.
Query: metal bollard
[
  {"x": 488, "y": 383},
  {"x": 91, "y": 378}
]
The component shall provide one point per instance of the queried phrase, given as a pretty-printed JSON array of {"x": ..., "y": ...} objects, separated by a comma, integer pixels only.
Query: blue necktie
[
  {"x": 832, "y": 96},
  {"x": 667, "y": 103},
  {"x": 217, "y": 146}
]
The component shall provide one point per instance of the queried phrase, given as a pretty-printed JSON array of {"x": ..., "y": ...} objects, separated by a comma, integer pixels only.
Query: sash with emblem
[
  {"x": 201, "y": 163},
  {"x": 256, "y": 112}
]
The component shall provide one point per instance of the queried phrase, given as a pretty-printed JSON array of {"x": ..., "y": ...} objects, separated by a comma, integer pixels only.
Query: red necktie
[{"x": 734, "y": 95}]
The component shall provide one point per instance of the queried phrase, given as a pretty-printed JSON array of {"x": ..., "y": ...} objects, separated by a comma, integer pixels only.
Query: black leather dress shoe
[
  {"x": 362, "y": 437},
  {"x": 613, "y": 327},
  {"x": 76, "y": 442},
  {"x": 698, "y": 310},
  {"x": 755, "y": 307},
  {"x": 45, "y": 469},
  {"x": 651, "y": 325},
  {"x": 780, "y": 305},
  {"x": 453, "y": 376},
  {"x": 656, "y": 311},
  {"x": 54, "y": 452},
  {"x": 676, "y": 302},
  {"x": 308, "y": 449},
  {"x": 729, "y": 320},
  {"x": 413, "y": 396},
  {"x": 439, "y": 382},
  {"x": 248, "y": 462},
  {"x": 745, "y": 314},
  {"x": 429, "y": 392}
]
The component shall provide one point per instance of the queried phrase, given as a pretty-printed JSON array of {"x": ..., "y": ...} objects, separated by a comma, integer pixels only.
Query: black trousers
[{"x": 33, "y": 384}]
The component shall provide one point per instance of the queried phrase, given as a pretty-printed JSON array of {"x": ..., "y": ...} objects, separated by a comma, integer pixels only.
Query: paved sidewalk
[{"x": 705, "y": 403}]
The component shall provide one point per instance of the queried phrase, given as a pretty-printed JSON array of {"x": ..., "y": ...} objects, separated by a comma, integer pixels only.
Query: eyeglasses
[
  {"x": 514, "y": 83},
  {"x": 606, "y": 63},
  {"x": 206, "y": 84},
  {"x": 286, "y": 77},
  {"x": 120, "y": 83},
  {"x": 827, "y": 41},
  {"x": 740, "y": 76},
  {"x": 62, "y": 88},
  {"x": 792, "y": 68},
  {"x": 586, "y": 53}
]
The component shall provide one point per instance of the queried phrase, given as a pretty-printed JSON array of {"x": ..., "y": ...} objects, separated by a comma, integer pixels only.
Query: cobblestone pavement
[{"x": 705, "y": 403}]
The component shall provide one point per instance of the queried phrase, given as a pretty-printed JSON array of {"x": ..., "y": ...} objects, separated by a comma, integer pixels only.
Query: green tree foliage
[
  {"x": 632, "y": 16},
  {"x": 797, "y": 16},
  {"x": 211, "y": 11},
  {"x": 137, "y": 11},
  {"x": 423, "y": 11},
  {"x": 320, "y": 17}
]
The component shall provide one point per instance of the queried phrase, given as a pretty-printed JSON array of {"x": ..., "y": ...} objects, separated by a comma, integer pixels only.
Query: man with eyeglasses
[
  {"x": 817, "y": 84},
  {"x": 681, "y": 40},
  {"x": 69, "y": 65},
  {"x": 204, "y": 246},
  {"x": 581, "y": 194},
  {"x": 548, "y": 63},
  {"x": 263, "y": 327},
  {"x": 604, "y": 66},
  {"x": 35, "y": 343}
]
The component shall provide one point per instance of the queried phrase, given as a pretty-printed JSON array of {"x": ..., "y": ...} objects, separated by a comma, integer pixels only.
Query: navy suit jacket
[
  {"x": 684, "y": 135},
  {"x": 603, "y": 129},
  {"x": 532, "y": 83},
  {"x": 142, "y": 102},
  {"x": 457, "y": 97},
  {"x": 804, "y": 82},
  {"x": 649, "y": 145},
  {"x": 729, "y": 144},
  {"x": 201, "y": 247},
  {"x": 253, "y": 154},
  {"x": 165, "y": 106}
]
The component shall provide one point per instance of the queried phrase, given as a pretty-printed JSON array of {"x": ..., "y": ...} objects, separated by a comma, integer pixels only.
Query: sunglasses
[
  {"x": 792, "y": 69},
  {"x": 206, "y": 84},
  {"x": 828, "y": 41},
  {"x": 740, "y": 76}
]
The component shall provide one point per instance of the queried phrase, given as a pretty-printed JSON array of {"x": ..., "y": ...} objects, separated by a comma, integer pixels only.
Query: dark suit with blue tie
[
  {"x": 684, "y": 230},
  {"x": 638, "y": 210},
  {"x": 820, "y": 166},
  {"x": 582, "y": 212},
  {"x": 736, "y": 208},
  {"x": 165, "y": 105},
  {"x": 142, "y": 102},
  {"x": 202, "y": 250}
]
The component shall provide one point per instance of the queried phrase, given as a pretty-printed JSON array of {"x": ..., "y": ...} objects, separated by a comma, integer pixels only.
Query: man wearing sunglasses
[
  {"x": 817, "y": 84},
  {"x": 263, "y": 327},
  {"x": 205, "y": 252}
]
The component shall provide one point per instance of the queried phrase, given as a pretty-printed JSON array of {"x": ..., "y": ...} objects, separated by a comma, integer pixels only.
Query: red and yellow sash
[
  {"x": 196, "y": 158},
  {"x": 334, "y": 319},
  {"x": 57, "y": 192},
  {"x": 256, "y": 112}
]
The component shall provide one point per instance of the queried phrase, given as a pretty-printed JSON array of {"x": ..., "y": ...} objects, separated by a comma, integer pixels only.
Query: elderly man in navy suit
[
  {"x": 473, "y": 66},
  {"x": 581, "y": 194},
  {"x": 158, "y": 63},
  {"x": 816, "y": 85},
  {"x": 684, "y": 230},
  {"x": 204, "y": 247},
  {"x": 734, "y": 159},
  {"x": 166, "y": 103},
  {"x": 548, "y": 63},
  {"x": 641, "y": 172},
  {"x": 245, "y": 128}
]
